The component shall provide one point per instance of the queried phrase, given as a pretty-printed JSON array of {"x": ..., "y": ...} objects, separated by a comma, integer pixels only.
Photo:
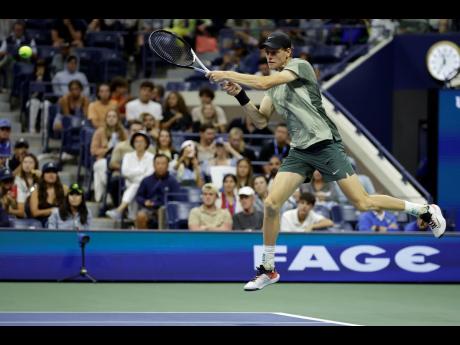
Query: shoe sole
[
  {"x": 442, "y": 221},
  {"x": 269, "y": 283}
]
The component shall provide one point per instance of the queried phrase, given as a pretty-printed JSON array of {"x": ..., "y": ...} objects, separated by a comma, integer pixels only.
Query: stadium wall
[{"x": 206, "y": 256}]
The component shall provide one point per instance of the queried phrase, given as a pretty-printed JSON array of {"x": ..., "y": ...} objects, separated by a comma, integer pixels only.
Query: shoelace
[{"x": 260, "y": 270}]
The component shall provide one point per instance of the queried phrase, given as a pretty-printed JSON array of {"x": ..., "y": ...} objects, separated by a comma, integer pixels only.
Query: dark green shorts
[{"x": 328, "y": 157}]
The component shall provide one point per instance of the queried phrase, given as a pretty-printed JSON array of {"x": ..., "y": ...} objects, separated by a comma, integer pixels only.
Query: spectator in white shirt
[
  {"x": 144, "y": 104},
  {"x": 135, "y": 167},
  {"x": 62, "y": 79},
  {"x": 303, "y": 218}
]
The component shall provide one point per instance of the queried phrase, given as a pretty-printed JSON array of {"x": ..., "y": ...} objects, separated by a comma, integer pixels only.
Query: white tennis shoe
[
  {"x": 262, "y": 279},
  {"x": 435, "y": 220}
]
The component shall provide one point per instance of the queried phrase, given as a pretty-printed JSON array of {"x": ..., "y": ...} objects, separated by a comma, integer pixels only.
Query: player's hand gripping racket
[{"x": 175, "y": 50}]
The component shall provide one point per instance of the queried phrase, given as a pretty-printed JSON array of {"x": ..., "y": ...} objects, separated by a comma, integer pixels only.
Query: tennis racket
[{"x": 175, "y": 50}]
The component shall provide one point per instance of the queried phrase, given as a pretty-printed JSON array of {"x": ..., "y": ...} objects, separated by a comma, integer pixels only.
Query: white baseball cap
[
  {"x": 188, "y": 143},
  {"x": 246, "y": 191}
]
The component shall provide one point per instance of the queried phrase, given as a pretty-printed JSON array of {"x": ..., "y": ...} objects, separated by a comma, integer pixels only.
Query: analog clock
[{"x": 443, "y": 60}]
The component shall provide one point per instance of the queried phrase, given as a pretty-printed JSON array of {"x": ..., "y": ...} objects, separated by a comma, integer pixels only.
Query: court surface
[{"x": 226, "y": 304}]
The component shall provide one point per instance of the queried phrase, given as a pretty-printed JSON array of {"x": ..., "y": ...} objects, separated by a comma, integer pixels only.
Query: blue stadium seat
[
  {"x": 46, "y": 52},
  {"x": 177, "y": 213},
  {"x": 322, "y": 210},
  {"x": 41, "y": 36},
  {"x": 328, "y": 53},
  {"x": 105, "y": 39}
]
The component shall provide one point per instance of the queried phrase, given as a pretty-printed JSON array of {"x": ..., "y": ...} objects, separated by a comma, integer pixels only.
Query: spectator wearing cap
[
  {"x": 206, "y": 97},
  {"x": 221, "y": 157},
  {"x": 72, "y": 214},
  {"x": 152, "y": 193},
  {"x": 27, "y": 177},
  {"x": 303, "y": 218},
  {"x": 144, "y": 104},
  {"x": 186, "y": 167},
  {"x": 249, "y": 219},
  {"x": 62, "y": 78},
  {"x": 8, "y": 192},
  {"x": 208, "y": 217},
  {"x": 5, "y": 143},
  {"x": 49, "y": 194},
  {"x": 135, "y": 167},
  {"x": 21, "y": 148}
]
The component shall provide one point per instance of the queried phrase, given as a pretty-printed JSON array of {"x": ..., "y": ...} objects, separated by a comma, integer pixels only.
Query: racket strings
[{"x": 171, "y": 48}]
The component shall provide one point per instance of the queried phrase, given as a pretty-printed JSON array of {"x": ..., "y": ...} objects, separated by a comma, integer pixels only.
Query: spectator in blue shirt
[
  {"x": 151, "y": 193},
  {"x": 416, "y": 225},
  {"x": 5, "y": 143},
  {"x": 378, "y": 221}
]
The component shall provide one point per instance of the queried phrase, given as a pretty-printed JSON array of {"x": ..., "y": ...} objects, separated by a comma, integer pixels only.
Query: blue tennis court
[{"x": 161, "y": 319}]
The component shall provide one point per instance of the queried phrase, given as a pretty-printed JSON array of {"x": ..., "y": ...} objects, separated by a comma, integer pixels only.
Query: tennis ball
[{"x": 25, "y": 52}]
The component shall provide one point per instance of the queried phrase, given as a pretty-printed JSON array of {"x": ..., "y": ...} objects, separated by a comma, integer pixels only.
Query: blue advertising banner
[
  {"x": 449, "y": 152},
  {"x": 206, "y": 256}
]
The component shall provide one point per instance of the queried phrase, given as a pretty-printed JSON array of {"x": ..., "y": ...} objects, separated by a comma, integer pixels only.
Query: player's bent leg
[
  {"x": 355, "y": 192},
  {"x": 283, "y": 187}
]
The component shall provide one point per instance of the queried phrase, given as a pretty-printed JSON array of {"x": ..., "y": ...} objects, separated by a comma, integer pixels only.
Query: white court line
[
  {"x": 317, "y": 319},
  {"x": 160, "y": 322}
]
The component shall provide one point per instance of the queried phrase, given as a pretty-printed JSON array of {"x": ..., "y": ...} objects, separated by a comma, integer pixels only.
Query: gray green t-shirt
[{"x": 299, "y": 103}]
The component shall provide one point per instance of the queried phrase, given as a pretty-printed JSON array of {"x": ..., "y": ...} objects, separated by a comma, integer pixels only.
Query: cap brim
[{"x": 270, "y": 45}]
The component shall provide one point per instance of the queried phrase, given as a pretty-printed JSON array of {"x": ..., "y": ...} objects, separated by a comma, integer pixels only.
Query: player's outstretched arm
[
  {"x": 253, "y": 81},
  {"x": 259, "y": 116}
]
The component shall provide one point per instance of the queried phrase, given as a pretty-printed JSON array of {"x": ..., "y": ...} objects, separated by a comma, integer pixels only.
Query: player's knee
[{"x": 271, "y": 207}]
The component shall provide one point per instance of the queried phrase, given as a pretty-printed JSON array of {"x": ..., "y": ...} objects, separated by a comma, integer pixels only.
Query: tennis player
[{"x": 315, "y": 144}]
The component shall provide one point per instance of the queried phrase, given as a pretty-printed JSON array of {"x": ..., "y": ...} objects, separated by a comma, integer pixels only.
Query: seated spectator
[
  {"x": 303, "y": 218},
  {"x": 243, "y": 173},
  {"x": 221, "y": 158},
  {"x": 206, "y": 97},
  {"x": 135, "y": 167},
  {"x": 176, "y": 116},
  {"x": 59, "y": 59},
  {"x": 144, "y": 104},
  {"x": 208, "y": 217},
  {"x": 235, "y": 138},
  {"x": 119, "y": 88},
  {"x": 73, "y": 104},
  {"x": 186, "y": 168},
  {"x": 377, "y": 221},
  {"x": 206, "y": 147},
  {"x": 8, "y": 193},
  {"x": 246, "y": 125},
  {"x": 260, "y": 186},
  {"x": 249, "y": 219},
  {"x": 98, "y": 109},
  {"x": 272, "y": 169},
  {"x": 158, "y": 94},
  {"x": 49, "y": 194},
  {"x": 416, "y": 225},
  {"x": 209, "y": 116},
  {"x": 27, "y": 177},
  {"x": 21, "y": 148},
  {"x": 152, "y": 126},
  {"x": 152, "y": 193},
  {"x": 17, "y": 38},
  {"x": 164, "y": 145},
  {"x": 228, "y": 197},
  {"x": 279, "y": 146},
  {"x": 70, "y": 31},
  {"x": 62, "y": 78},
  {"x": 324, "y": 192},
  {"x": 5, "y": 143},
  {"x": 104, "y": 141},
  {"x": 72, "y": 214}
]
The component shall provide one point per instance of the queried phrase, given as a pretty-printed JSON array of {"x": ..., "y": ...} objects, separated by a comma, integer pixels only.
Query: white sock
[
  {"x": 268, "y": 257},
  {"x": 415, "y": 209}
]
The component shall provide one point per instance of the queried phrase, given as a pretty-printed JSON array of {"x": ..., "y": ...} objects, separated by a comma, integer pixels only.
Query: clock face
[{"x": 443, "y": 60}]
